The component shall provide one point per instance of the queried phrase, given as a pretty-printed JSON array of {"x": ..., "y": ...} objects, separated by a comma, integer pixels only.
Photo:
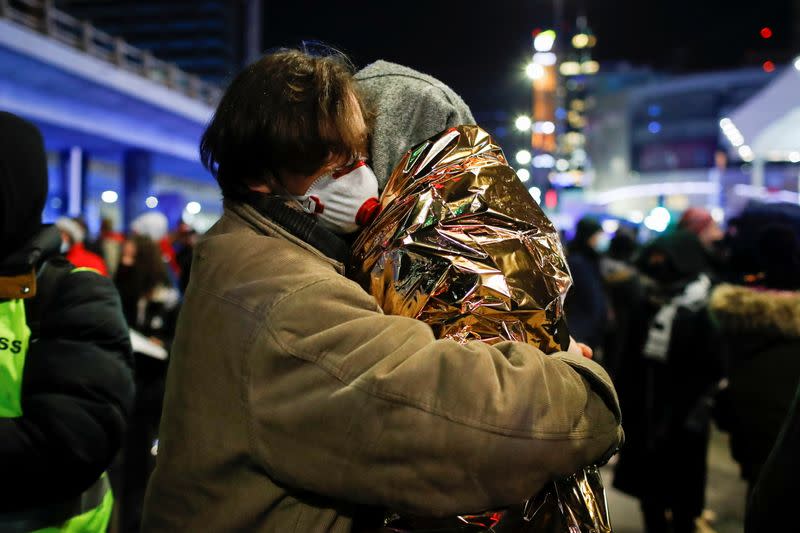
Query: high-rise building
[{"x": 210, "y": 38}]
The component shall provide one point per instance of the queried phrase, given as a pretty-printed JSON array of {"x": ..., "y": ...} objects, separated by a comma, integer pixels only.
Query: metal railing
[{"x": 41, "y": 16}]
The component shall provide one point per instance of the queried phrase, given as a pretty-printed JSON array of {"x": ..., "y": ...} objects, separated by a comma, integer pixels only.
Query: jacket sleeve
[
  {"x": 77, "y": 391},
  {"x": 379, "y": 412}
]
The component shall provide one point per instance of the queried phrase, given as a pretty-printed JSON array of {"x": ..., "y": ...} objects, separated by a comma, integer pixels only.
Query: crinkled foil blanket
[{"x": 461, "y": 245}]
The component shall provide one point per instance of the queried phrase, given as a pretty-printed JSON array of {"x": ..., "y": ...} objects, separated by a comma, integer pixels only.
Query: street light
[
  {"x": 544, "y": 161},
  {"x": 545, "y": 58},
  {"x": 544, "y": 41},
  {"x": 545, "y": 126},
  {"x": 523, "y": 123},
  {"x": 109, "y": 197},
  {"x": 580, "y": 41},
  {"x": 523, "y": 157},
  {"x": 590, "y": 67},
  {"x": 658, "y": 219},
  {"x": 570, "y": 68},
  {"x": 534, "y": 71}
]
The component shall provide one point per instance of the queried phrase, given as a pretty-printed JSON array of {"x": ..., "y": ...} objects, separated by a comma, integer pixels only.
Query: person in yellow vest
[{"x": 66, "y": 384}]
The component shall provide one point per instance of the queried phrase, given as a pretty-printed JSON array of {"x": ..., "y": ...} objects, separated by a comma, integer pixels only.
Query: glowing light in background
[
  {"x": 523, "y": 157},
  {"x": 544, "y": 58},
  {"x": 544, "y": 41},
  {"x": 654, "y": 127},
  {"x": 746, "y": 153},
  {"x": 794, "y": 157},
  {"x": 768, "y": 66},
  {"x": 109, "y": 197},
  {"x": 570, "y": 68},
  {"x": 797, "y": 63},
  {"x": 766, "y": 32},
  {"x": 523, "y": 123},
  {"x": 544, "y": 161},
  {"x": 534, "y": 71},
  {"x": 590, "y": 67},
  {"x": 193, "y": 208},
  {"x": 523, "y": 174},
  {"x": 610, "y": 225},
  {"x": 562, "y": 165},
  {"x": 658, "y": 219},
  {"x": 151, "y": 202},
  {"x": 637, "y": 217},
  {"x": 545, "y": 127},
  {"x": 731, "y": 132},
  {"x": 581, "y": 40},
  {"x": 536, "y": 193},
  {"x": 718, "y": 214}
]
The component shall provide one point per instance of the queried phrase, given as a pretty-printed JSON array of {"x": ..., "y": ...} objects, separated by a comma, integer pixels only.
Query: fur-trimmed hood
[{"x": 740, "y": 309}]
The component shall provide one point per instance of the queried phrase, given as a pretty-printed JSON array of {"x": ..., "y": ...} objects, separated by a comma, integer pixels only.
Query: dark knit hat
[
  {"x": 23, "y": 182},
  {"x": 779, "y": 248}
]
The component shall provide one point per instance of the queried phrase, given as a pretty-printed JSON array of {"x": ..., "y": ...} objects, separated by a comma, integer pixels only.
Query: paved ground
[{"x": 725, "y": 495}]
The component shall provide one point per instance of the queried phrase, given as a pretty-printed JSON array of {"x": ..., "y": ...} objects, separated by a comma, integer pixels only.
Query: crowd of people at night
[{"x": 239, "y": 381}]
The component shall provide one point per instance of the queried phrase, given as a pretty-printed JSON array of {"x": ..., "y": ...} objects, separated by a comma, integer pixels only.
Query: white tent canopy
[{"x": 769, "y": 122}]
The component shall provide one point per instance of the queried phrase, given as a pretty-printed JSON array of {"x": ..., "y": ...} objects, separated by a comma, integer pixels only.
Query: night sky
[{"x": 480, "y": 48}]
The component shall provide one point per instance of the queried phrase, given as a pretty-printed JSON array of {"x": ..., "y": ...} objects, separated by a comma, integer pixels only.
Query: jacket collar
[
  {"x": 739, "y": 309},
  {"x": 18, "y": 269},
  {"x": 293, "y": 227},
  {"x": 44, "y": 244}
]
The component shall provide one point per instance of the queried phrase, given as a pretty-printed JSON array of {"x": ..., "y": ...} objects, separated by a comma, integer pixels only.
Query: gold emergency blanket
[{"x": 461, "y": 245}]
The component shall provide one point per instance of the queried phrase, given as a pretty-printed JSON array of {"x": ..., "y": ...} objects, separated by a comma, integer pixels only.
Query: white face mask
[{"x": 343, "y": 201}]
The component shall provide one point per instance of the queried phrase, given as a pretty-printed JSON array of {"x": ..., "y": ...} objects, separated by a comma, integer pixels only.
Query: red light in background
[
  {"x": 768, "y": 66},
  {"x": 551, "y": 199},
  {"x": 766, "y": 32},
  {"x": 536, "y": 31}
]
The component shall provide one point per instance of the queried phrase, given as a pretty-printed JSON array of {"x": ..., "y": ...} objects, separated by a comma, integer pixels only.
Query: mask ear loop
[{"x": 279, "y": 189}]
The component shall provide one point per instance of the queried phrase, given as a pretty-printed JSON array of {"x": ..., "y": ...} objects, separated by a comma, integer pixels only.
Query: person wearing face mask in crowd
[
  {"x": 586, "y": 305},
  {"x": 72, "y": 237},
  {"x": 293, "y": 402}
]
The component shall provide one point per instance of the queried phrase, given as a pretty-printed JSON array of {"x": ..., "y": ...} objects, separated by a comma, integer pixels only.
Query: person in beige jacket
[{"x": 293, "y": 403}]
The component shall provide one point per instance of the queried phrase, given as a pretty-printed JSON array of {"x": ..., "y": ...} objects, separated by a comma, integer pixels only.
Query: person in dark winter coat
[
  {"x": 63, "y": 419},
  {"x": 670, "y": 366},
  {"x": 586, "y": 304},
  {"x": 772, "y": 495},
  {"x": 150, "y": 306},
  {"x": 623, "y": 285},
  {"x": 761, "y": 329}
]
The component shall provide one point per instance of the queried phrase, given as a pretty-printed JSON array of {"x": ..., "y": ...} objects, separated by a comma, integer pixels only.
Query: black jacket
[
  {"x": 77, "y": 386},
  {"x": 774, "y": 496},
  {"x": 762, "y": 340}
]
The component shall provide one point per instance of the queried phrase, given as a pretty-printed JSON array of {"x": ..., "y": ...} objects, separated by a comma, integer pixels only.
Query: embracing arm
[{"x": 379, "y": 412}]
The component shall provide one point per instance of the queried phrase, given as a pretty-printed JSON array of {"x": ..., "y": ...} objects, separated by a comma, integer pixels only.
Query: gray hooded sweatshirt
[{"x": 409, "y": 107}]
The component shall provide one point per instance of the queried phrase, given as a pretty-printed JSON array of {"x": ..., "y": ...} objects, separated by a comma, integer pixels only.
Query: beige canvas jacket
[{"x": 293, "y": 402}]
